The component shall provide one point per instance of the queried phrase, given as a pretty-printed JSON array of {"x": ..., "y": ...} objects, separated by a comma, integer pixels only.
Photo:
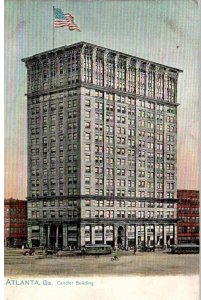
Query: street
[{"x": 141, "y": 264}]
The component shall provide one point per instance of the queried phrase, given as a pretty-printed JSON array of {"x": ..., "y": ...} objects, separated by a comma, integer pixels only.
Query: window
[
  {"x": 88, "y": 169},
  {"x": 87, "y": 114},
  {"x": 33, "y": 214},
  {"x": 141, "y": 183},
  {"x": 61, "y": 213},
  {"x": 150, "y": 174},
  {"x": 87, "y": 158},
  {"x": 87, "y": 180},
  {"x": 52, "y": 214},
  {"x": 150, "y": 125},
  {"x": 87, "y": 147},
  {"x": 87, "y": 213},
  {"x": 170, "y": 195},
  {"x": 87, "y": 191},
  {"x": 87, "y": 136},
  {"x": 87, "y": 102},
  {"x": 141, "y": 214},
  {"x": 70, "y": 213},
  {"x": 141, "y": 194},
  {"x": 141, "y": 204},
  {"x": 87, "y": 124}
]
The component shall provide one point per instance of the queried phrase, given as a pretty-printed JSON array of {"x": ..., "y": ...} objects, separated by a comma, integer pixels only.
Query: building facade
[
  {"x": 188, "y": 216},
  {"x": 15, "y": 215},
  {"x": 102, "y": 148}
]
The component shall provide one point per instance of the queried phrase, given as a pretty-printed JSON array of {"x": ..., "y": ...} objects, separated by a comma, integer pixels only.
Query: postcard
[{"x": 101, "y": 149}]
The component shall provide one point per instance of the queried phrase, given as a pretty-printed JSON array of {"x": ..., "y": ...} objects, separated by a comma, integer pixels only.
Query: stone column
[
  {"x": 41, "y": 74},
  {"x": 48, "y": 235},
  {"x": 115, "y": 70},
  {"x": 82, "y": 63},
  {"x": 155, "y": 234},
  {"x": 126, "y": 236},
  {"x": 175, "y": 87},
  {"x": 164, "y": 235},
  {"x": 147, "y": 78},
  {"x": 175, "y": 233},
  {"x": 94, "y": 65},
  {"x": 57, "y": 235},
  {"x": 56, "y": 78},
  {"x": 104, "y": 234},
  {"x": 138, "y": 63},
  {"x": 145, "y": 234},
  {"x": 41, "y": 235},
  {"x": 29, "y": 82},
  {"x": 136, "y": 235},
  {"x": 156, "y": 82},
  {"x": 105, "y": 67},
  {"x": 128, "y": 61},
  {"x": 49, "y": 64},
  {"x": 78, "y": 236},
  {"x": 93, "y": 234},
  {"x": 115, "y": 236},
  {"x": 166, "y": 85},
  {"x": 65, "y": 235},
  {"x": 82, "y": 234},
  {"x": 29, "y": 236}
]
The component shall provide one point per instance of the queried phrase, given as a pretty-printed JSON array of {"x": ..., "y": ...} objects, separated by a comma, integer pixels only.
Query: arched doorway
[{"x": 120, "y": 237}]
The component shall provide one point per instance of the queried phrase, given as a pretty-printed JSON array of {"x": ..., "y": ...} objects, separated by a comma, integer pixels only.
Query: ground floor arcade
[{"x": 118, "y": 235}]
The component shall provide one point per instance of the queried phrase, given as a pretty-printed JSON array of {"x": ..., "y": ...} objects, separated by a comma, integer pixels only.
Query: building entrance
[
  {"x": 35, "y": 243},
  {"x": 52, "y": 235},
  {"x": 60, "y": 237}
]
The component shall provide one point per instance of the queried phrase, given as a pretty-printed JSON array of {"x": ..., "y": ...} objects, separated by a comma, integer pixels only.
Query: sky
[{"x": 166, "y": 32}]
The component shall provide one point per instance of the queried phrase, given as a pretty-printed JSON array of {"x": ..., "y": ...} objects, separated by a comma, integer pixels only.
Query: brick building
[
  {"x": 102, "y": 148},
  {"x": 15, "y": 215},
  {"x": 188, "y": 216}
]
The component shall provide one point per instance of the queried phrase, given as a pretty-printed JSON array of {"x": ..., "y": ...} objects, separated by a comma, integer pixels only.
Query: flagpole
[{"x": 53, "y": 27}]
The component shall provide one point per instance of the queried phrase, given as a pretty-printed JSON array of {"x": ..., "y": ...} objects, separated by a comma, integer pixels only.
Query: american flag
[{"x": 64, "y": 20}]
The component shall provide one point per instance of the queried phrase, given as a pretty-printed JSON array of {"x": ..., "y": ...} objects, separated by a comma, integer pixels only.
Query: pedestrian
[{"x": 134, "y": 249}]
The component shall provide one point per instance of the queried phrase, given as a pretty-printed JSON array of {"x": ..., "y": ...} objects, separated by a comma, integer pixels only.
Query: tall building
[
  {"x": 15, "y": 216},
  {"x": 102, "y": 148},
  {"x": 188, "y": 216}
]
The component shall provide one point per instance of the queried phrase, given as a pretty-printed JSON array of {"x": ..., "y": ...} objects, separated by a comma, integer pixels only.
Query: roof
[
  {"x": 100, "y": 47},
  {"x": 186, "y": 245},
  {"x": 11, "y": 200},
  {"x": 97, "y": 245},
  {"x": 187, "y": 191}
]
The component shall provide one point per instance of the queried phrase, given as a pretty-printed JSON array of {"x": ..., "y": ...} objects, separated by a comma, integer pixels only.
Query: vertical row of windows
[
  {"x": 99, "y": 68},
  {"x": 109, "y": 98},
  {"x": 72, "y": 144},
  {"x": 120, "y": 75},
  {"x": 88, "y": 65}
]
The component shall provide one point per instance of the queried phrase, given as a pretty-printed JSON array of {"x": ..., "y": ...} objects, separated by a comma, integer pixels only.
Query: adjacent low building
[
  {"x": 15, "y": 215},
  {"x": 188, "y": 216}
]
